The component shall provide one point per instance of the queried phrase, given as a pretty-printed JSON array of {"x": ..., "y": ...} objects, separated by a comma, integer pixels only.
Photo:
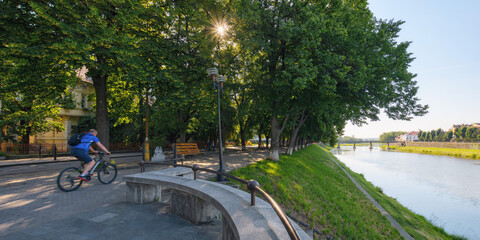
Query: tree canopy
[{"x": 298, "y": 70}]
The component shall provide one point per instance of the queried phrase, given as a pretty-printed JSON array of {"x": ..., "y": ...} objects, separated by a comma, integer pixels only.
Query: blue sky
[{"x": 445, "y": 38}]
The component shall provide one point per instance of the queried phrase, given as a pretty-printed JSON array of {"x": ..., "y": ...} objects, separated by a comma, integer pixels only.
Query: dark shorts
[{"x": 81, "y": 155}]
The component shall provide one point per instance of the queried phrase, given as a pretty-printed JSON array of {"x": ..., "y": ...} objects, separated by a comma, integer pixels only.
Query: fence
[
  {"x": 51, "y": 149},
  {"x": 26, "y": 149}
]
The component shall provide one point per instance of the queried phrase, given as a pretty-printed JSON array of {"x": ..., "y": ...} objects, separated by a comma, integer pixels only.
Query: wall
[{"x": 459, "y": 145}]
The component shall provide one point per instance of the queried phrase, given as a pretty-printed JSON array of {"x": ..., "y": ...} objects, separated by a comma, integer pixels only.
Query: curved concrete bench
[{"x": 199, "y": 201}]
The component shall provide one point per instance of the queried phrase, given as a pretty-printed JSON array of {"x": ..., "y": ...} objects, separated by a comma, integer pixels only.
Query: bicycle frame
[{"x": 100, "y": 160}]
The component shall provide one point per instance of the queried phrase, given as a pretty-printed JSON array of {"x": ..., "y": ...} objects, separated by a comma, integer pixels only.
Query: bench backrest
[{"x": 186, "y": 148}]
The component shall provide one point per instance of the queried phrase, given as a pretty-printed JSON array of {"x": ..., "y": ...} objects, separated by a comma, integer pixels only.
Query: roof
[{"x": 82, "y": 74}]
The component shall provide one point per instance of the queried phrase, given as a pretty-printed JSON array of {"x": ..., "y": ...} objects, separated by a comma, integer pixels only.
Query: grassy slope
[
  {"x": 310, "y": 187},
  {"x": 453, "y": 152}
]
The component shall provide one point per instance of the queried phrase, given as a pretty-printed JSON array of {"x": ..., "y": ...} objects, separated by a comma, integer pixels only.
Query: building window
[{"x": 84, "y": 101}]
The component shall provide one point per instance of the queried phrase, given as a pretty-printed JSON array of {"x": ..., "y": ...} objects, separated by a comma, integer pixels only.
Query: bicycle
[{"x": 68, "y": 181}]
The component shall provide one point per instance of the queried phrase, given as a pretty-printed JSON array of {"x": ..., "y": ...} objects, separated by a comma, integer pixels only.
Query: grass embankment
[
  {"x": 452, "y": 152},
  {"x": 310, "y": 187}
]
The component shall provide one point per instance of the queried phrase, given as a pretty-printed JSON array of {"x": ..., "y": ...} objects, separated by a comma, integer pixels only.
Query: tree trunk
[
  {"x": 276, "y": 132},
  {"x": 141, "y": 136},
  {"x": 297, "y": 144},
  {"x": 25, "y": 140},
  {"x": 243, "y": 139},
  {"x": 274, "y": 150},
  {"x": 243, "y": 133},
  {"x": 293, "y": 146},
  {"x": 260, "y": 130},
  {"x": 181, "y": 121},
  {"x": 293, "y": 140},
  {"x": 103, "y": 123}
]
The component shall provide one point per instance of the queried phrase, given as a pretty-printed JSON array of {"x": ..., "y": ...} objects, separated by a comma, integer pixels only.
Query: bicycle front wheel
[
  {"x": 68, "y": 180},
  {"x": 107, "y": 173}
]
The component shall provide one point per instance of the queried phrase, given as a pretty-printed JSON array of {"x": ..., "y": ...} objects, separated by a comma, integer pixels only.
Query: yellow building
[{"x": 70, "y": 117}]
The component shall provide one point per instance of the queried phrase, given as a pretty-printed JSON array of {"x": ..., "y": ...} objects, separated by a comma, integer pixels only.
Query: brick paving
[{"x": 31, "y": 201}]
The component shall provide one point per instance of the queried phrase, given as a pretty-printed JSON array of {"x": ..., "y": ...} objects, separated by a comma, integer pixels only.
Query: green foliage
[
  {"x": 453, "y": 152},
  {"x": 84, "y": 124},
  {"x": 326, "y": 199},
  {"x": 308, "y": 66},
  {"x": 390, "y": 136},
  {"x": 349, "y": 139}
]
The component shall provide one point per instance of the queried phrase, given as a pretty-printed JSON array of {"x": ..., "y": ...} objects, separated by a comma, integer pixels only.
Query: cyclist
[{"x": 80, "y": 151}]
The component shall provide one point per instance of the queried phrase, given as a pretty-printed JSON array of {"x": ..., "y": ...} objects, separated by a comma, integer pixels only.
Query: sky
[{"x": 445, "y": 38}]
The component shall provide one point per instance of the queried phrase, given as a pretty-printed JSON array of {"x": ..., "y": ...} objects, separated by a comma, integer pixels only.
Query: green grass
[
  {"x": 310, "y": 187},
  {"x": 452, "y": 152}
]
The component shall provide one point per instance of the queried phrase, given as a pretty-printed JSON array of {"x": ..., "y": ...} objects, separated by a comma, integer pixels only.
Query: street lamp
[{"x": 213, "y": 72}]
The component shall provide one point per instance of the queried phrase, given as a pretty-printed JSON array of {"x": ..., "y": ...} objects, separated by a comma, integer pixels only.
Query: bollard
[
  {"x": 54, "y": 152},
  {"x": 195, "y": 168},
  {"x": 252, "y": 186},
  {"x": 40, "y": 151}
]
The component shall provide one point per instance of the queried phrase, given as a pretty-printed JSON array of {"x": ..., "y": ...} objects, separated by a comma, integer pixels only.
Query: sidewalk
[{"x": 32, "y": 207}]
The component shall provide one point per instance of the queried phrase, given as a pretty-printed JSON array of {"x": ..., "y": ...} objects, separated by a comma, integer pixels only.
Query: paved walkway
[{"x": 32, "y": 207}]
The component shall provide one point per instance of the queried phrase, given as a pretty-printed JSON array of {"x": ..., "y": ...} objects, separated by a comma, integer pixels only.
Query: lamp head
[
  {"x": 220, "y": 80},
  {"x": 212, "y": 72}
]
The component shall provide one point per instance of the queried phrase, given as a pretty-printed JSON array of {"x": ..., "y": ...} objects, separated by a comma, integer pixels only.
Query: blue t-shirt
[{"x": 87, "y": 140}]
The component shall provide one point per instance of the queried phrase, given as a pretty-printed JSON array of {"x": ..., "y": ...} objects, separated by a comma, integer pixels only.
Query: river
[{"x": 445, "y": 190}]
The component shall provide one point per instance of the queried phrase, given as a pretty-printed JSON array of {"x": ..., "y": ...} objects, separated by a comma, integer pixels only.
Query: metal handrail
[{"x": 252, "y": 185}]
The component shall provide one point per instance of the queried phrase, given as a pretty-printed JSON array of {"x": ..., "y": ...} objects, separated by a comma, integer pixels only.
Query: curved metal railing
[{"x": 252, "y": 185}]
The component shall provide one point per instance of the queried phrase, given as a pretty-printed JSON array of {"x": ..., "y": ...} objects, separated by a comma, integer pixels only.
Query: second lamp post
[{"x": 218, "y": 84}]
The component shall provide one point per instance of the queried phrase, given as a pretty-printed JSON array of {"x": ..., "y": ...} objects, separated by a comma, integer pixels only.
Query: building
[
  {"x": 407, "y": 137},
  {"x": 70, "y": 117}
]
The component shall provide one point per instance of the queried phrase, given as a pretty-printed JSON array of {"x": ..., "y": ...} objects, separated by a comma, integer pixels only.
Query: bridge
[{"x": 370, "y": 142}]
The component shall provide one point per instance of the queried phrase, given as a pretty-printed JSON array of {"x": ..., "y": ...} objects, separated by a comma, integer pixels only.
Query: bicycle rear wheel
[
  {"x": 107, "y": 173},
  {"x": 68, "y": 180}
]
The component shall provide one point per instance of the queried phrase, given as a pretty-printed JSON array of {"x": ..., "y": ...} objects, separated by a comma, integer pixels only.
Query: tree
[
  {"x": 337, "y": 46},
  {"x": 390, "y": 136},
  {"x": 420, "y": 137},
  {"x": 33, "y": 79},
  {"x": 97, "y": 35},
  {"x": 471, "y": 134}
]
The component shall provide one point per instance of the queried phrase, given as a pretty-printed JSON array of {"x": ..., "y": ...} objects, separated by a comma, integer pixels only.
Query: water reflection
[{"x": 443, "y": 189}]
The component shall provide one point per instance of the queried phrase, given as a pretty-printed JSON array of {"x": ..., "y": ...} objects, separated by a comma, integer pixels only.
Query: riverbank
[
  {"x": 314, "y": 190},
  {"x": 452, "y": 152}
]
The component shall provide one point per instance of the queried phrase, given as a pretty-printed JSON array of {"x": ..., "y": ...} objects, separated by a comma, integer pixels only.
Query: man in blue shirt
[{"x": 80, "y": 151}]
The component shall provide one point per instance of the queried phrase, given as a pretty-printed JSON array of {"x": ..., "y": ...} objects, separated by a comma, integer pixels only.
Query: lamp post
[{"x": 218, "y": 84}]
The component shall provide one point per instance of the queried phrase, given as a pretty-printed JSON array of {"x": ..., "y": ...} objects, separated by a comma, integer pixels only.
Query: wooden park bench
[{"x": 183, "y": 149}]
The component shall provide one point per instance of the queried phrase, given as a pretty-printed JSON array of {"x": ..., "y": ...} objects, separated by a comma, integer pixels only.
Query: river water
[{"x": 445, "y": 190}]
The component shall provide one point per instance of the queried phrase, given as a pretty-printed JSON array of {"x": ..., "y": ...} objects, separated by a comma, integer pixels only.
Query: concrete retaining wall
[{"x": 202, "y": 201}]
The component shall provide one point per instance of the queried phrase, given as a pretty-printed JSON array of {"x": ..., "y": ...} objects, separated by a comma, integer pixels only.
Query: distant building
[
  {"x": 70, "y": 117},
  {"x": 407, "y": 137}
]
